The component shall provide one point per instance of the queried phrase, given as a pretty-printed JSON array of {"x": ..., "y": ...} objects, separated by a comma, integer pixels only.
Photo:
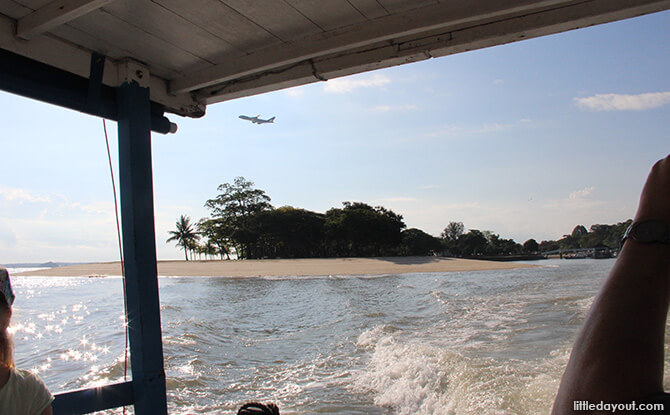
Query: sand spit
[{"x": 288, "y": 267}]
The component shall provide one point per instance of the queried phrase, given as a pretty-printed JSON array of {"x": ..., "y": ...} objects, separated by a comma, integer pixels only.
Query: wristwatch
[{"x": 648, "y": 232}]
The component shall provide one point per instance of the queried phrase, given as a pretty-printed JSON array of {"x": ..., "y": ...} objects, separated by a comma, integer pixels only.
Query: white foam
[
  {"x": 415, "y": 378},
  {"x": 13, "y": 271}
]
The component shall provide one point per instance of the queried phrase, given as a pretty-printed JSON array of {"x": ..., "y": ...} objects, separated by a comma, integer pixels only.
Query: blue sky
[{"x": 526, "y": 140}]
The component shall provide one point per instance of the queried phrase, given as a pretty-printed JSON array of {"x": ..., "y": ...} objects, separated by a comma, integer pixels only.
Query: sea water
[{"x": 493, "y": 342}]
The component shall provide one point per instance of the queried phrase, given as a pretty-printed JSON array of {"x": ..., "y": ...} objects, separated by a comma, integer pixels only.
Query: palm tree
[
  {"x": 185, "y": 235},
  {"x": 209, "y": 249}
]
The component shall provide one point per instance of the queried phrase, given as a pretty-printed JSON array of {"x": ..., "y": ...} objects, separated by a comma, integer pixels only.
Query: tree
[
  {"x": 417, "y": 242},
  {"x": 578, "y": 231},
  {"x": 185, "y": 235},
  {"x": 359, "y": 229},
  {"x": 598, "y": 236},
  {"x": 569, "y": 242},
  {"x": 500, "y": 246},
  {"x": 234, "y": 209},
  {"x": 453, "y": 231},
  {"x": 546, "y": 246},
  {"x": 215, "y": 234},
  {"x": 607, "y": 235},
  {"x": 531, "y": 246},
  {"x": 208, "y": 249},
  {"x": 472, "y": 243},
  {"x": 290, "y": 233}
]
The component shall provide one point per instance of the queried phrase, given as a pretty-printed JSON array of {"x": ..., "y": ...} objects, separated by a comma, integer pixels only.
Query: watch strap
[{"x": 664, "y": 238}]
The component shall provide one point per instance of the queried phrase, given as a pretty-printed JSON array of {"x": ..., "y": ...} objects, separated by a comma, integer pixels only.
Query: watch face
[{"x": 649, "y": 231}]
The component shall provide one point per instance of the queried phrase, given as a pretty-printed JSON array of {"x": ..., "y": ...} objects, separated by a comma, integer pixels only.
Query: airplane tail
[{"x": 272, "y": 120}]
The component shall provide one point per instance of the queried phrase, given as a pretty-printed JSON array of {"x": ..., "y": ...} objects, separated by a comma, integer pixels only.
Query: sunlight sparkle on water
[
  {"x": 47, "y": 316},
  {"x": 29, "y": 328}
]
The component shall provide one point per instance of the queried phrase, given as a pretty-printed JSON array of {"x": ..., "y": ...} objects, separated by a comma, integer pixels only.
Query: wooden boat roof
[{"x": 199, "y": 52}]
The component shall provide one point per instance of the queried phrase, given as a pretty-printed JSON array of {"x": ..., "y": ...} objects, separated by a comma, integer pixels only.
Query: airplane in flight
[{"x": 257, "y": 120}]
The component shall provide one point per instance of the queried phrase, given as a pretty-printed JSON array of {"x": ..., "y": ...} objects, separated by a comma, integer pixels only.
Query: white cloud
[
  {"x": 388, "y": 108},
  {"x": 344, "y": 85},
  {"x": 487, "y": 128},
  {"x": 582, "y": 204},
  {"x": 295, "y": 92},
  {"x": 7, "y": 236},
  {"x": 582, "y": 194},
  {"x": 623, "y": 102},
  {"x": 97, "y": 207},
  {"x": 20, "y": 195},
  {"x": 40, "y": 228}
]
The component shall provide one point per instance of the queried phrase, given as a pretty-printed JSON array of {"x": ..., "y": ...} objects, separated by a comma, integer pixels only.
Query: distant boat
[{"x": 602, "y": 253}]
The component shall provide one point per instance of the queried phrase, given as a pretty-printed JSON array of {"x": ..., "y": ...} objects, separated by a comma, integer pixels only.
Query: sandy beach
[{"x": 288, "y": 267}]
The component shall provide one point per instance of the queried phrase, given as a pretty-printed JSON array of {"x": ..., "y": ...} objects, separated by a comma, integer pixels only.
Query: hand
[{"x": 655, "y": 198}]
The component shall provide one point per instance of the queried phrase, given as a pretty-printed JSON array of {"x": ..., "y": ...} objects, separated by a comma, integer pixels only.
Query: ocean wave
[{"x": 410, "y": 377}]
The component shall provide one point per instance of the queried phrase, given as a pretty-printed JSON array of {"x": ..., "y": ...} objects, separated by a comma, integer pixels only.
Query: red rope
[{"x": 123, "y": 273}]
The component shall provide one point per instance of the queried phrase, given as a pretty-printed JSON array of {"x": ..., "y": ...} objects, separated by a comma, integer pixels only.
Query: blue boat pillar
[
  {"x": 139, "y": 240},
  {"x": 130, "y": 105}
]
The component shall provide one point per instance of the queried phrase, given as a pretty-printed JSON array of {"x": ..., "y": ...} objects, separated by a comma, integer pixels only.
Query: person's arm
[{"x": 618, "y": 354}]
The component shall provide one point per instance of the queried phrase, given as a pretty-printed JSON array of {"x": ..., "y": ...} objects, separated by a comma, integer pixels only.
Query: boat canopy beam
[{"x": 31, "y": 79}]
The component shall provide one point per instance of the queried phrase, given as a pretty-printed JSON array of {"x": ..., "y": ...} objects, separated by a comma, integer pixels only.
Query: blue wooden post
[
  {"x": 139, "y": 244},
  {"x": 129, "y": 105}
]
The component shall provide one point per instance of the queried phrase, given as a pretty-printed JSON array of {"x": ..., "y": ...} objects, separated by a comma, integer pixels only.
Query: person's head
[
  {"x": 257, "y": 408},
  {"x": 6, "y": 301}
]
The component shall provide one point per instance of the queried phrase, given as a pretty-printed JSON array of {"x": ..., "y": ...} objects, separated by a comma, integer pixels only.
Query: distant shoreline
[{"x": 288, "y": 267}]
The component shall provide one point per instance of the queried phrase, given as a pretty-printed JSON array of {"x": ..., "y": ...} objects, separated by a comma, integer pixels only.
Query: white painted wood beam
[
  {"x": 303, "y": 73},
  {"x": 55, "y": 14},
  {"x": 450, "y": 13},
  {"x": 65, "y": 56},
  {"x": 411, "y": 49}
]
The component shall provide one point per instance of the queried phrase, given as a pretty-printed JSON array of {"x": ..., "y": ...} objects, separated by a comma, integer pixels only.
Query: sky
[{"x": 525, "y": 140}]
